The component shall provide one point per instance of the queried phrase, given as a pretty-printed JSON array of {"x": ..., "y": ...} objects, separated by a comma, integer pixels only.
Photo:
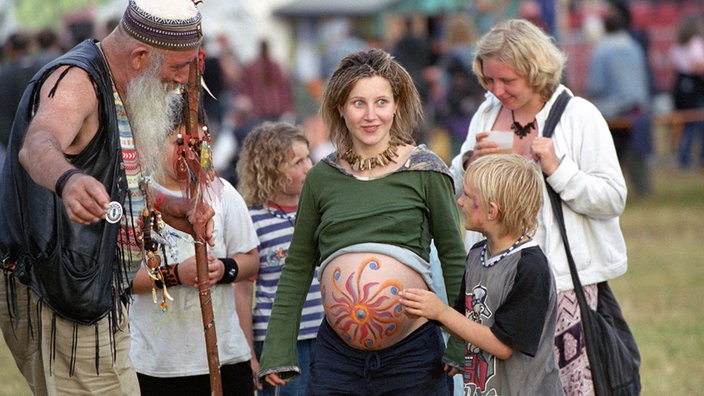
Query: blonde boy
[{"x": 506, "y": 308}]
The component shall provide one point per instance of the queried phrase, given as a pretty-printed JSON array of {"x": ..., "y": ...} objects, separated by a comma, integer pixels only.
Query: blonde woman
[{"x": 521, "y": 67}]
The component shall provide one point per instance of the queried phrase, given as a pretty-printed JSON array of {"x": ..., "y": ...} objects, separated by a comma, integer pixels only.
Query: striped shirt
[
  {"x": 274, "y": 230},
  {"x": 130, "y": 247}
]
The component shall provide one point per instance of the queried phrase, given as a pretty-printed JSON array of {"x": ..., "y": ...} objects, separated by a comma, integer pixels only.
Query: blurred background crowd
[{"x": 269, "y": 60}]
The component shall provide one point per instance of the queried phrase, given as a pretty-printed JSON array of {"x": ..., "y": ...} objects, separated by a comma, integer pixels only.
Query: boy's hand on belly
[{"x": 422, "y": 303}]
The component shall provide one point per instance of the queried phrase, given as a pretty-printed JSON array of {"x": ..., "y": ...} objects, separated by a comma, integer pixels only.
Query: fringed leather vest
[{"x": 73, "y": 268}]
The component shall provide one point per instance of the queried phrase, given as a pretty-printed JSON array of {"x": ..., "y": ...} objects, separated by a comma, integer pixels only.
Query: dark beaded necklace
[{"x": 521, "y": 130}]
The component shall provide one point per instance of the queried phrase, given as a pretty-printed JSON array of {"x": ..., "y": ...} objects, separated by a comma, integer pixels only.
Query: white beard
[{"x": 153, "y": 108}]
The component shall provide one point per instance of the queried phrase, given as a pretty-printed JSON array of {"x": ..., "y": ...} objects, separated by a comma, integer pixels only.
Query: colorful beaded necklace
[{"x": 482, "y": 256}]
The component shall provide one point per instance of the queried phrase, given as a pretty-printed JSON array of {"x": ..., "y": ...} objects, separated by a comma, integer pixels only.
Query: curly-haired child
[{"x": 272, "y": 167}]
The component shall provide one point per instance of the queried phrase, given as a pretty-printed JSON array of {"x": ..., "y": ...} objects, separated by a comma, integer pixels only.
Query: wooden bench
[{"x": 675, "y": 120}]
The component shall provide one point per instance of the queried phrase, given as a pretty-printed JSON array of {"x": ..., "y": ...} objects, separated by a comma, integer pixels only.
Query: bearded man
[{"x": 78, "y": 152}]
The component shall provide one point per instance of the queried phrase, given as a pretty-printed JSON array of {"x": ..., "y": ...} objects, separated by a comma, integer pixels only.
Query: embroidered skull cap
[{"x": 166, "y": 24}]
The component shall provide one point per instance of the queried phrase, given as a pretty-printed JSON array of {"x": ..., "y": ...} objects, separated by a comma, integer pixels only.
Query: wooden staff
[{"x": 206, "y": 306}]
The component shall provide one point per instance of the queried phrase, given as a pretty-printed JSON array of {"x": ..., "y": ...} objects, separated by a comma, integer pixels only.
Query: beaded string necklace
[
  {"x": 482, "y": 256},
  {"x": 280, "y": 213}
]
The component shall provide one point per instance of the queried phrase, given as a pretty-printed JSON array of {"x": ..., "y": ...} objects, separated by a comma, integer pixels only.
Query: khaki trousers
[{"x": 45, "y": 360}]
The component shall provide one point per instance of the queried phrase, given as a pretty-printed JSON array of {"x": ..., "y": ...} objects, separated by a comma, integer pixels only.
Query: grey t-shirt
[{"x": 516, "y": 298}]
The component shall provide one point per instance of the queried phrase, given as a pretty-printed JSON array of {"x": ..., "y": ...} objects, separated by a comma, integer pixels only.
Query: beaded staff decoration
[
  {"x": 194, "y": 160},
  {"x": 152, "y": 224}
]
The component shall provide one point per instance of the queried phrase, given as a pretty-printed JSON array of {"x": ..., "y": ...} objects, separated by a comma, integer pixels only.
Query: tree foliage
[{"x": 37, "y": 14}]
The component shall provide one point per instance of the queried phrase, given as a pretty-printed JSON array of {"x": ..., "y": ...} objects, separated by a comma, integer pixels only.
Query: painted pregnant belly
[{"x": 360, "y": 295}]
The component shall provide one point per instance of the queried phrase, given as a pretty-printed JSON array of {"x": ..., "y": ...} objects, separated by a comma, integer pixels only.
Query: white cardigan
[{"x": 589, "y": 181}]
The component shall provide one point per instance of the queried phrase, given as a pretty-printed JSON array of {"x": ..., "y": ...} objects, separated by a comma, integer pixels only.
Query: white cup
[{"x": 503, "y": 138}]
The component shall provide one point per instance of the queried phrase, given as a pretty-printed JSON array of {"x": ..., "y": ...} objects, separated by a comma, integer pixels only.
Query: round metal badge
[{"x": 114, "y": 212}]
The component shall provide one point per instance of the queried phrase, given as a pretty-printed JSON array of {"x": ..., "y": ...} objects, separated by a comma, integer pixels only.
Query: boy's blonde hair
[
  {"x": 514, "y": 184},
  {"x": 260, "y": 169}
]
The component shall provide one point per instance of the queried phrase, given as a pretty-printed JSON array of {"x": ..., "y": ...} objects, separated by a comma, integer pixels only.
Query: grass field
[
  {"x": 660, "y": 295},
  {"x": 663, "y": 290}
]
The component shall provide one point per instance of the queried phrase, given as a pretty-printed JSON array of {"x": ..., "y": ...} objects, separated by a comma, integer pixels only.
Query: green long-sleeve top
[{"x": 406, "y": 208}]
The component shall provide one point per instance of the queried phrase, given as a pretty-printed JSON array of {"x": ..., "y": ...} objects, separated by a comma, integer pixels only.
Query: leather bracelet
[
  {"x": 231, "y": 270},
  {"x": 170, "y": 274},
  {"x": 61, "y": 181}
]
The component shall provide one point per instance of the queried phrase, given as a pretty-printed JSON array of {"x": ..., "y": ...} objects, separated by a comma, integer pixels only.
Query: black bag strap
[
  {"x": 588, "y": 321},
  {"x": 556, "y": 202},
  {"x": 555, "y": 113}
]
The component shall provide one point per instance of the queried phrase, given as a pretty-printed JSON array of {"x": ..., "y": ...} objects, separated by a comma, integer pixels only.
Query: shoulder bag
[{"x": 612, "y": 351}]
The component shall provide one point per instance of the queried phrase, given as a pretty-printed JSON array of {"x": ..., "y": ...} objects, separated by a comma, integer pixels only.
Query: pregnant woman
[{"x": 367, "y": 215}]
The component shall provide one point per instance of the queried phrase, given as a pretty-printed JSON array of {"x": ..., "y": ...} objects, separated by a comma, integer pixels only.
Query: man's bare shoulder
[
  {"x": 68, "y": 94},
  {"x": 71, "y": 83}
]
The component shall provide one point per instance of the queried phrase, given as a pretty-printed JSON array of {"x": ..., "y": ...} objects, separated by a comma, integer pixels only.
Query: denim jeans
[
  {"x": 297, "y": 387},
  {"x": 412, "y": 367},
  {"x": 692, "y": 131}
]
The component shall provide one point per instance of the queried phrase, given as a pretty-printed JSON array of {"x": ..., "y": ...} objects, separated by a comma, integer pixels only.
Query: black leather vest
[{"x": 71, "y": 267}]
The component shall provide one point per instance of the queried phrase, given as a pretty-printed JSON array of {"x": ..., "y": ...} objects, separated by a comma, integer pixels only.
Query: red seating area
[{"x": 659, "y": 19}]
